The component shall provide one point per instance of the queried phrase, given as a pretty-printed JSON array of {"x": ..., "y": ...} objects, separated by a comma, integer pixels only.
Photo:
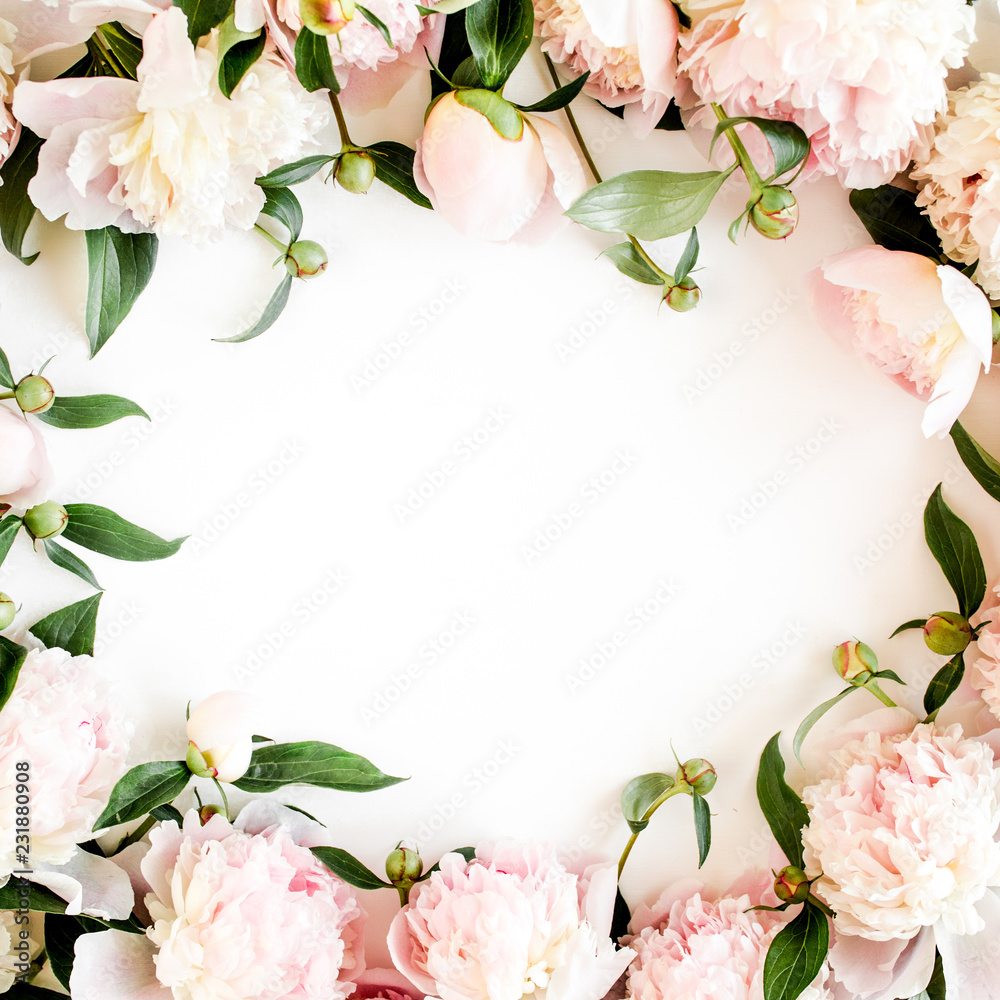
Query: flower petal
[
  {"x": 883, "y": 970},
  {"x": 113, "y": 965},
  {"x": 971, "y": 962},
  {"x": 90, "y": 884}
]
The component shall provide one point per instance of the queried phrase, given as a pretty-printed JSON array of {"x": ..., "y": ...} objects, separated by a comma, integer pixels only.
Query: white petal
[
  {"x": 568, "y": 178},
  {"x": 168, "y": 72},
  {"x": 952, "y": 391},
  {"x": 971, "y": 309},
  {"x": 248, "y": 15},
  {"x": 113, "y": 965},
  {"x": 614, "y": 22},
  {"x": 971, "y": 962},
  {"x": 220, "y": 719},
  {"x": 90, "y": 884},
  {"x": 883, "y": 970}
]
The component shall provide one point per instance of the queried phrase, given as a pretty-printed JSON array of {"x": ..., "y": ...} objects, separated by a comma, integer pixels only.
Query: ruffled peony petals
[
  {"x": 42, "y": 28},
  {"x": 134, "y": 14},
  {"x": 43, "y": 107},
  {"x": 971, "y": 962},
  {"x": 261, "y": 815},
  {"x": 883, "y": 970},
  {"x": 169, "y": 72},
  {"x": 113, "y": 965},
  {"x": 91, "y": 885},
  {"x": 591, "y": 967}
]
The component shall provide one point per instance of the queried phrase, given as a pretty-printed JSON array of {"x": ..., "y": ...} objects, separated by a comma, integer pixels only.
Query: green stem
[
  {"x": 746, "y": 164},
  {"x": 404, "y": 893},
  {"x": 137, "y": 834},
  {"x": 873, "y": 687},
  {"x": 338, "y": 112},
  {"x": 671, "y": 791},
  {"x": 107, "y": 56},
  {"x": 273, "y": 240},
  {"x": 7, "y": 395},
  {"x": 225, "y": 801}
]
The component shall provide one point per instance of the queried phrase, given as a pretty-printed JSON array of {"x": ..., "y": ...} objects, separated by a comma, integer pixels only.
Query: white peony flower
[{"x": 8, "y": 127}]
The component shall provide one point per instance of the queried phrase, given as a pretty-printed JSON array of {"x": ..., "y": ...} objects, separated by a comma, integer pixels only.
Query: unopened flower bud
[
  {"x": 326, "y": 17},
  {"x": 46, "y": 520},
  {"x": 684, "y": 297},
  {"x": 947, "y": 633},
  {"x": 205, "y": 813},
  {"x": 995, "y": 316},
  {"x": 306, "y": 259},
  {"x": 34, "y": 394},
  {"x": 403, "y": 865},
  {"x": 220, "y": 744},
  {"x": 855, "y": 661},
  {"x": 776, "y": 214},
  {"x": 7, "y": 611},
  {"x": 355, "y": 171},
  {"x": 197, "y": 764},
  {"x": 791, "y": 885},
  {"x": 699, "y": 774}
]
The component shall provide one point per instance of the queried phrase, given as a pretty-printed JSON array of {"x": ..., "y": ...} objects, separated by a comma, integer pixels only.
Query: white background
[{"x": 288, "y": 465}]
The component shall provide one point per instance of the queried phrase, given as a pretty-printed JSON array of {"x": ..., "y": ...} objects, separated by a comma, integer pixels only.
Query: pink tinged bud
[
  {"x": 776, "y": 214},
  {"x": 403, "y": 865},
  {"x": 854, "y": 661},
  {"x": 34, "y": 394},
  {"x": 46, "y": 520},
  {"x": 791, "y": 885},
  {"x": 947, "y": 633},
  {"x": 683, "y": 297},
  {"x": 205, "y": 813},
  {"x": 699, "y": 774},
  {"x": 305, "y": 259},
  {"x": 220, "y": 734},
  {"x": 7, "y": 611},
  {"x": 326, "y": 17}
]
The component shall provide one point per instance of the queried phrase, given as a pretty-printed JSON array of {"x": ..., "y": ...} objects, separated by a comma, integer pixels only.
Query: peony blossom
[
  {"x": 959, "y": 176},
  {"x": 8, "y": 127},
  {"x": 861, "y": 79},
  {"x": 690, "y": 945},
  {"x": 242, "y": 910},
  {"x": 493, "y": 188},
  {"x": 25, "y": 473},
  {"x": 514, "y": 921},
  {"x": 926, "y": 326},
  {"x": 629, "y": 47},
  {"x": 901, "y": 842},
  {"x": 20, "y": 944},
  {"x": 167, "y": 152},
  {"x": 984, "y": 673},
  {"x": 63, "y": 725},
  {"x": 385, "y": 984},
  {"x": 220, "y": 731}
]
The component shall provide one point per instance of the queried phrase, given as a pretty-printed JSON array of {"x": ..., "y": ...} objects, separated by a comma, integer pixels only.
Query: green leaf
[
  {"x": 649, "y": 204},
  {"x": 621, "y": 918},
  {"x": 72, "y": 628},
  {"x": 702, "y": 826},
  {"x": 273, "y": 309},
  {"x": 90, "y": 411},
  {"x": 347, "y": 867},
  {"x": 889, "y": 675},
  {"x": 466, "y": 74},
  {"x": 630, "y": 262},
  {"x": 499, "y": 34},
  {"x": 281, "y": 204},
  {"x": 9, "y": 527},
  {"x": 502, "y": 115},
  {"x": 6, "y": 379},
  {"x": 377, "y": 23},
  {"x": 120, "y": 266},
  {"x": 640, "y": 794},
  {"x": 238, "y": 51},
  {"x": 789, "y": 144},
  {"x": 455, "y": 50},
  {"x": 311, "y": 763},
  {"x": 978, "y": 461},
  {"x": 67, "y": 560},
  {"x": 102, "y": 530},
  {"x": 124, "y": 46},
  {"x": 782, "y": 808},
  {"x": 313, "y": 65},
  {"x": 944, "y": 684},
  {"x": 953, "y": 545},
  {"x": 688, "y": 258},
  {"x": 812, "y": 718},
  {"x": 143, "y": 789},
  {"x": 203, "y": 15},
  {"x": 394, "y": 166},
  {"x": 558, "y": 98},
  {"x": 167, "y": 814},
  {"x": 42, "y": 900},
  {"x": 796, "y": 955},
  {"x": 12, "y": 658},
  {"x": 16, "y": 209},
  {"x": 294, "y": 173},
  {"x": 28, "y": 991},
  {"x": 308, "y": 815},
  {"x": 61, "y": 933},
  {"x": 893, "y": 220},
  {"x": 906, "y": 626}
]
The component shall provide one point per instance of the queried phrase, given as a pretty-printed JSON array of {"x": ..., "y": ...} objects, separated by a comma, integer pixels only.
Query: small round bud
[
  {"x": 684, "y": 297},
  {"x": 791, "y": 885},
  {"x": 205, "y": 813},
  {"x": 46, "y": 520},
  {"x": 7, "y": 611},
  {"x": 403, "y": 865},
  {"x": 197, "y": 764},
  {"x": 776, "y": 214},
  {"x": 996, "y": 325},
  {"x": 854, "y": 661},
  {"x": 326, "y": 17},
  {"x": 947, "y": 633},
  {"x": 34, "y": 394},
  {"x": 355, "y": 171},
  {"x": 306, "y": 259},
  {"x": 699, "y": 774}
]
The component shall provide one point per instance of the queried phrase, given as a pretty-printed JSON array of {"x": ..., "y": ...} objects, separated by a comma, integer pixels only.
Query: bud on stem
[
  {"x": 776, "y": 213},
  {"x": 7, "y": 611},
  {"x": 403, "y": 867},
  {"x": 947, "y": 633},
  {"x": 34, "y": 394},
  {"x": 791, "y": 885},
  {"x": 46, "y": 520}
]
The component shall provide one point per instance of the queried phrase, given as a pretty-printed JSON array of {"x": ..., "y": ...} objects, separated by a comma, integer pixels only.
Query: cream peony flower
[
  {"x": 168, "y": 152},
  {"x": 862, "y": 79},
  {"x": 958, "y": 171},
  {"x": 20, "y": 945}
]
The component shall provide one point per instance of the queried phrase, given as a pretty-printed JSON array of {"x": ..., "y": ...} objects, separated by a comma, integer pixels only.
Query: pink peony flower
[
  {"x": 860, "y": 80},
  {"x": 984, "y": 673},
  {"x": 493, "y": 188},
  {"x": 629, "y": 47},
  {"x": 221, "y": 731},
  {"x": 385, "y": 984},
  {"x": 25, "y": 473},
  {"x": 902, "y": 843},
  {"x": 926, "y": 326},
  {"x": 690, "y": 946},
  {"x": 63, "y": 725},
  {"x": 514, "y": 921},
  {"x": 241, "y": 911}
]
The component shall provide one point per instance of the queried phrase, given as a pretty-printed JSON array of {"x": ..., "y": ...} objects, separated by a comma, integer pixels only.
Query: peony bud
[
  {"x": 34, "y": 394},
  {"x": 854, "y": 661},
  {"x": 205, "y": 813},
  {"x": 326, "y": 17},
  {"x": 791, "y": 885},
  {"x": 219, "y": 734},
  {"x": 684, "y": 297},
  {"x": 776, "y": 213},
  {"x": 403, "y": 865},
  {"x": 996, "y": 326},
  {"x": 7, "y": 611},
  {"x": 46, "y": 520},
  {"x": 699, "y": 774},
  {"x": 355, "y": 171},
  {"x": 947, "y": 633},
  {"x": 306, "y": 259}
]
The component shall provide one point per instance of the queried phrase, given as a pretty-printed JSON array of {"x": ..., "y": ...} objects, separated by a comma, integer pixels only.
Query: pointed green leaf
[
  {"x": 702, "y": 826},
  {"x": 76, "y": 412},
  {"x": 16, "y": 209},
  {"x": 558, "y": 98},
  {"x": 65, "y": 559},
  {"x": 796, "y": 955},
  {"x": 274, "y": 308},
  {"x": 203, "y": 15},
  {"x": 394, "y": 166},
  {"x": 12, "y": 658},
  {"x": 978, "y": 461},
  {"x": 294, "y": 173},
  {"x": 238, "y": 51},
  {"x": 688, "y": 258},
  {"x": 944, "y": 684},
  {"x": 906, "y": 626},
  {"x": 102, "y": 530},
  {"x": 61, "y": 933},
  {"x": 6, "y": 379},
  {"x": 41, "y": 900},
  {"x": 893, "y": 220},
  {"x": 377, "y": 23},
  {"x": 311, "y": 763},
  {"x": 782, "y": 808},
  {"x": 281, "y": 204},
  {"x": 501, "y": 114},
  {"x": 499, "y": 33},
  {"x": 889, "y": 675},
  {"x": 143, "y": 789},
  {"x": 72, "y": 628},
  {"x": 630, "y": 262},
  {"x": 347, "y": 867},
  {"x": 789, "y": 144},
  {"x": 313, "y": 65},
  {"x": 167, "y": 814},
  {"x": 124, "y": 46},
  {"x": 640, "y": 795},
  {"x": 812, "y": 718},
  {"x": 9, "y": 527},
  {"x": 953, "y": 545}
]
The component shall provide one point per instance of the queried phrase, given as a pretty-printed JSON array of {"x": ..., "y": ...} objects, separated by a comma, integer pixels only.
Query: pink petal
[
  {"x": 113, "y": 965},
  {"x": 568, "y": 178},
  {"x": 169, "y": 71},
  {"x": 45, "y": 106},
  {"x": 883, "y": 970},
  {"x": 657, "y": 42},
  {"x": 401, "y": 952}
]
